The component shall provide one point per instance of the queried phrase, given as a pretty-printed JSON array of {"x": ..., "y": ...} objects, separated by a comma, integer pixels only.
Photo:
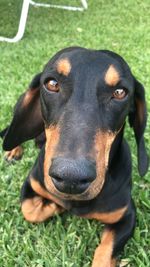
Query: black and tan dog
[{"x": 77, "y": 109}]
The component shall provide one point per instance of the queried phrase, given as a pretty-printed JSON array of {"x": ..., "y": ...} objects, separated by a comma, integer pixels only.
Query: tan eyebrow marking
[
  {"x": 112, "y": 76},
  {"x": 64, "y": 66}
]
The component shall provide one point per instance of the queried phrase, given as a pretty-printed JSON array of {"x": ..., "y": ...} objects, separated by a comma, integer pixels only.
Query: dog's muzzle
[{"x": 72, "y": 176}]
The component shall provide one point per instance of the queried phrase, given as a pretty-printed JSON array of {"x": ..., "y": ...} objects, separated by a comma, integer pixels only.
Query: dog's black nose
[{"x": 72, "y": 176}]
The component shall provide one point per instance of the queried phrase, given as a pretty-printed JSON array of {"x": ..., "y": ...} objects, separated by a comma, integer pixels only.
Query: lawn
[{"x": 121, "y": 26}]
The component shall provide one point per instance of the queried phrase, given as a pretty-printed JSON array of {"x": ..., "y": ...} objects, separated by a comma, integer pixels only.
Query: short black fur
[{"x": 82, "y": 108}]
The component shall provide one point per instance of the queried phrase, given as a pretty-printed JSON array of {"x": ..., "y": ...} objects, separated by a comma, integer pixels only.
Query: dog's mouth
[
  {"x": 91, "y": 192},
  {"x": 71, "y": 188},
  {"x": 55, "y": 179}
]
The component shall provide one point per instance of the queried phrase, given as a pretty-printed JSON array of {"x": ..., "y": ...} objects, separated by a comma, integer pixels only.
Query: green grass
[{"x": 122, "y": 26}]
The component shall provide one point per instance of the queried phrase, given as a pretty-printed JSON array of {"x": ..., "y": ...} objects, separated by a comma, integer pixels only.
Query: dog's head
[{"x": 82, "y": 99}]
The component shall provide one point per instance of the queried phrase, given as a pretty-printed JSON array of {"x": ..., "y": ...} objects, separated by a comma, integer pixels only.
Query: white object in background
[{"x": 24, "y": 14}]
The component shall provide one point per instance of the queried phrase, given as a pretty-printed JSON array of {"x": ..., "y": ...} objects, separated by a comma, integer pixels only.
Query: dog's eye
[
  {"x": 52, "y": 85},
  {"x": 119, "y": 93}
]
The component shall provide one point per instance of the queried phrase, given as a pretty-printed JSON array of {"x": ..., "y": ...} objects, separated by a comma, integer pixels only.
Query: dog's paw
[
  {"x": 106, "y": 264},
  {"x": 100, "y": 261},
  {"x": 14, "y": 154}
]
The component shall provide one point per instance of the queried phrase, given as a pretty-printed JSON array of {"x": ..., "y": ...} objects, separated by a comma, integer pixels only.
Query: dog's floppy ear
[
  {"x": 27, "y": 120},
  {"x": 137, "y": 120}
]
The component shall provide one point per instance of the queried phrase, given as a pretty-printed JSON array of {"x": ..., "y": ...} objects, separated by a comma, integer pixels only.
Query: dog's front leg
[
  {"x": 114, "y": 239},
  {"x": 103, "y": 253},
  {"x": 37, "y": 204},
  {"x": 14, "y": 154}
]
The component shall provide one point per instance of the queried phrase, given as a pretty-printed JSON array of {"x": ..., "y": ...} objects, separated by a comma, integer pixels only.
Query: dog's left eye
[
  {"x": 52, "y": 85},
  {"x": 119, "y": 93}
]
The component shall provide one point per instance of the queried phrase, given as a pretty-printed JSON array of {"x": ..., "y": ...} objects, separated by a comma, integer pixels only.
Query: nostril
[
  {"x": 85, "y": 181},
  {"x": 58, "y": 182},
  {"x": 56, "y": 178}
]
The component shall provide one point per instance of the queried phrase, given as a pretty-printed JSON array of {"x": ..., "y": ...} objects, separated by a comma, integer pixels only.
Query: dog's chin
[{"x": 90, "y": 193}]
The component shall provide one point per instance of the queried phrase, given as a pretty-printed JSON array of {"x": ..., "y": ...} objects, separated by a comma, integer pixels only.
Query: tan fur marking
[
  {"x": 64, "y": 66},
  {"x": 42, "y": 192},
  {"x": 112, "y": 76},
  {"x": 52, "y": 139},
  {"x": 103, "y": 142},
  {"x": 15, "y": 153},
  {"x": 103, "y": 253},
  {"x": 108, "y": 217},
  {"x": 34, "y": 210},
  {"x": 113, "y": 263},
  {"x": 29, "y": 95}
]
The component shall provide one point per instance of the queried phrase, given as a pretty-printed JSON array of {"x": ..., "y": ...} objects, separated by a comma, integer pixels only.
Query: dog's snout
[{"x": 72, "y": 176}]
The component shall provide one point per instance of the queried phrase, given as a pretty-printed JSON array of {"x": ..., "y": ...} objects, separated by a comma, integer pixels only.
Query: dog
[{"x": 76, "y": 109}]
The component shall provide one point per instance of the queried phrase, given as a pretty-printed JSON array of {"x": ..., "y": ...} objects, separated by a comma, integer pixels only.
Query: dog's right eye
[
  {"x": 52, "y": 86},
  {"x": 119, "y": 94}
]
